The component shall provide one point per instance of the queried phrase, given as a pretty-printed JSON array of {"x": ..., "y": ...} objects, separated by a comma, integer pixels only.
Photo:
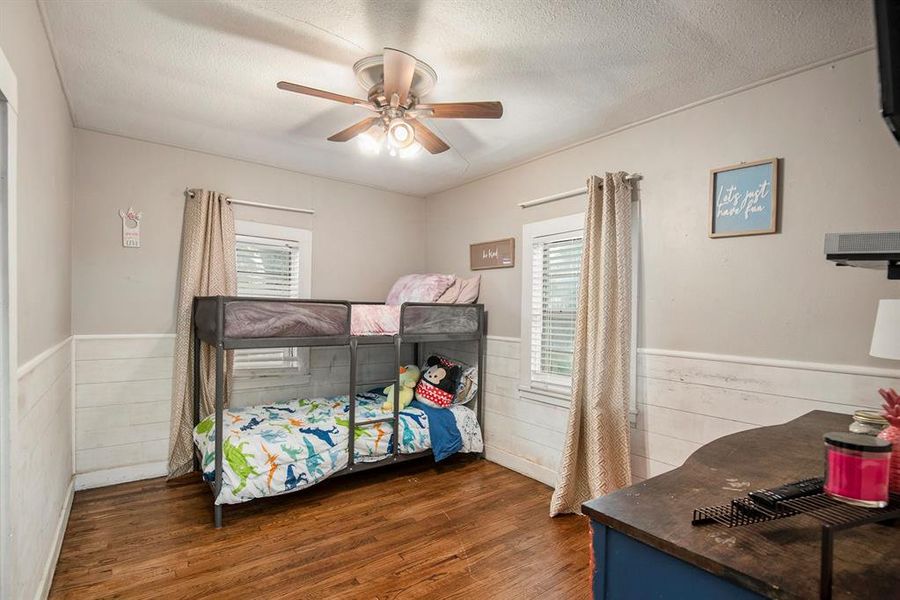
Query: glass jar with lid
[
  {"x": 867, "y": 422},
  {"x": 857, "y": 469}
]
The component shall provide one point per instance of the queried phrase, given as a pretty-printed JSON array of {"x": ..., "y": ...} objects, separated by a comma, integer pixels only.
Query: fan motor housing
[{"x": 370, "y": 76}]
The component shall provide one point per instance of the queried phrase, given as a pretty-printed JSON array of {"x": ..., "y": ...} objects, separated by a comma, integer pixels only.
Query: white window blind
[
  {"x": 556, "y": 266},
  {"x": 268, "y": 268}
]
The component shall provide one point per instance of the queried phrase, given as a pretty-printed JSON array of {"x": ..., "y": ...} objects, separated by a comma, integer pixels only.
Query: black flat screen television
[{"x": 887, "y": 30}]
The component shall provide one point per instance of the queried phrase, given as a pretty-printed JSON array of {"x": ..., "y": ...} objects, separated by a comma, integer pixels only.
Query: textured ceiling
[{"x": 202, "y": 75}]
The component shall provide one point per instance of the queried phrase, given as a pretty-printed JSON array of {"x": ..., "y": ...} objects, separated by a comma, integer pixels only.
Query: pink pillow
[
  {"x": 468, "y": 292},
  {"x": 419, "y": 288},
  {"x": 452, "y": 293}
]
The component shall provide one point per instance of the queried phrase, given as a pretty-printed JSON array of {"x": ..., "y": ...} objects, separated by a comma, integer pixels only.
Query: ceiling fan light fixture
[
  {"x": 400, "y": 134},
  {"x": 410, "y": 151},
  {"x": 395, "y": 81}
]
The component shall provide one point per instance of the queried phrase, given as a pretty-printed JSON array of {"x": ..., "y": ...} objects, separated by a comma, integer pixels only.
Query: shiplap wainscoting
[
  {"x": 684, "y": 400},
  {"x": 123, "y": 386},
  {"x": 41, "y": 468},
  {"x": 687, "y": 399},
  {"x": 520, "y": 434}
]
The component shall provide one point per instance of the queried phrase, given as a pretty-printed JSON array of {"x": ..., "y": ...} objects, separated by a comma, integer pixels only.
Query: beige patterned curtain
[
  {"x": 207, "y": 269},
  {"x": 595, "y": 459}
]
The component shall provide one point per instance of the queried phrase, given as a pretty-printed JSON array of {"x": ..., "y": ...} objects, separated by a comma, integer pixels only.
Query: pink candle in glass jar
[{"x": 857, "y": 468}]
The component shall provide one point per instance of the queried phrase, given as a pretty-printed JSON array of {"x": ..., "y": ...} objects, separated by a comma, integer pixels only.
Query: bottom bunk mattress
[{"x": 287, "y": 446}]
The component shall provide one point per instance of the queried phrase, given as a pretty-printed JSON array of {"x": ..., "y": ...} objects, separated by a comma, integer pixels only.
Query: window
[
  {"x": 556, "y": 265},
  {"x": 552, "y": 266},
  {"x": 551, "y": 270},
  {"x": 272, "y": 262}
]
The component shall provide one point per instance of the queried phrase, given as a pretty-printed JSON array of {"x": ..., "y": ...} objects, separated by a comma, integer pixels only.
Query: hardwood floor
[{"x": 466, "y": 528}]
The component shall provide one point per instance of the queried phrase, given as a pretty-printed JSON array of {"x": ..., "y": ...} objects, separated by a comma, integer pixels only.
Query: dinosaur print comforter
[{"x": 288, "y": 446}]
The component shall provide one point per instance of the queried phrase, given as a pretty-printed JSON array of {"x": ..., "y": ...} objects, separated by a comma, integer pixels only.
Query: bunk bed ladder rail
[
  {"x": 351, "y": 398},
  {"x": 395, "y": 435},
  {"x": 480, "y": 345},
  {"x": 220, "y": 403},
  {"x": 351, "y": 417},
  {"x": 219, "y": 395},
  {"x": 196, "y": 392},
  {"x": 195, "y": 380}
]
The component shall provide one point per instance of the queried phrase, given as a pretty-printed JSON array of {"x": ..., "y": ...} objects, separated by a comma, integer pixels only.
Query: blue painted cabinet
[{"x": 626, "y": 569}]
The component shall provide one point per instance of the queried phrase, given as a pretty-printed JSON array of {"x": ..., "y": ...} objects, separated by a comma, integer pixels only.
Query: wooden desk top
[{"x": 779, "y": 559}]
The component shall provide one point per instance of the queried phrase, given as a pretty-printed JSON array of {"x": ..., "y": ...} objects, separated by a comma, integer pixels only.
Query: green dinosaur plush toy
[{"x": 409, "y": 377}]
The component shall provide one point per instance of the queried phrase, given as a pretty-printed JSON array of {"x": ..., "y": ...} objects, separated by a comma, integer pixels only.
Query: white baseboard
[
  {"x": 104, "y": 477},
  {"x": 520, "y": 465},
  {"x": 50, "y": 566}
]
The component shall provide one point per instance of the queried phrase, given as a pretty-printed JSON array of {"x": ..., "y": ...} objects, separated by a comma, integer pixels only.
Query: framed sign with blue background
[{"x": 744, "y": 199}]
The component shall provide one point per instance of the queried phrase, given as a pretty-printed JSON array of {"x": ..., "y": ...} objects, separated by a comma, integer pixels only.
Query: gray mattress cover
[
  {"x": 246, "y": 319},
  {"x": 449, "y": 318},
  {"x": 260, "y": 319}
]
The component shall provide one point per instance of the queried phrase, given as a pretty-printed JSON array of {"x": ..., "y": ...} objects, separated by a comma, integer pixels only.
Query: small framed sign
[
  {"x": 499, "y": 254},
  {"x": 131, "y": 228},
  {"x": 743, "y": 199}
]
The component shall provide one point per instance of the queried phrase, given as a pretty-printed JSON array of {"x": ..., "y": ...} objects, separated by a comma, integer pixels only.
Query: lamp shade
[{"x": 886, "y": 337}]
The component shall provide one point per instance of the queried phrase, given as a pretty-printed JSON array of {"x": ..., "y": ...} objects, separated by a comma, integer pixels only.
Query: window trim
[
  {"x": 9, "y": 103},
  {"x": 302, "y": 237},
  {"x": 561, "y": 395},
  {"x": 532, "y": 390}
]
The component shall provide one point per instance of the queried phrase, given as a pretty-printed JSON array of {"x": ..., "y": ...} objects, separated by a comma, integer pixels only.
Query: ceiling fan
[{"x": 395, "y": 82}]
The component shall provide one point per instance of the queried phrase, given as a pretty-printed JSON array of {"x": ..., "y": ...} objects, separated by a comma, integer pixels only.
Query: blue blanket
[{"x": 445, "y": 437}]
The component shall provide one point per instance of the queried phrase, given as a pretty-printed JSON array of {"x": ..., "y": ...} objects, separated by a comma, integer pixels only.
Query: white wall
[
  {"x": 40, "y": 425},
  {"x": 684, "y": 400},
  {"x": 45, "y": 184},
  {"x": 124, "y": 298},
  {"x": 771, "y": 296},
  {"x": 363, "y": 238},
  {"x": 760, "y": 309},
  {"x": 759, "y": 299},
  {"x": 697, "y": 294}
]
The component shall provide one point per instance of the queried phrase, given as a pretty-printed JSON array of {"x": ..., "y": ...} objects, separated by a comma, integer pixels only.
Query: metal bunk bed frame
[{"x": 223, "y": 343}]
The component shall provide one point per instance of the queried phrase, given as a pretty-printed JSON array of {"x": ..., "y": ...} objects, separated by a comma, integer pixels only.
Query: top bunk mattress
[
  {"x": 384, "y": 319},
  {"x": 250, "y": 318},
  {"x": 254, "y": 318}
]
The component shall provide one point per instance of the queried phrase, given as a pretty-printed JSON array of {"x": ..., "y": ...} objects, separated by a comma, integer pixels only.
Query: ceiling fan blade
[
  {"x": 427, "y": 138},
  {"x": 399, "y": 68},
  {"x": 354, "y": 130},
  {"x": 463, "y": 110},
  {"x": 302, "y": 89}
]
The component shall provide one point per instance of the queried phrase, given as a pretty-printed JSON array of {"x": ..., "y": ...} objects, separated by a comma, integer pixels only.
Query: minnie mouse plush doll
[{"x": 438, "y": 384}]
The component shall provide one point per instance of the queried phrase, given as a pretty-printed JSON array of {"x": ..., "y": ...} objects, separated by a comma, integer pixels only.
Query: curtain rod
[
  {"x": 569, "y": 194},
  {"x": 305, "y": 211}
]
